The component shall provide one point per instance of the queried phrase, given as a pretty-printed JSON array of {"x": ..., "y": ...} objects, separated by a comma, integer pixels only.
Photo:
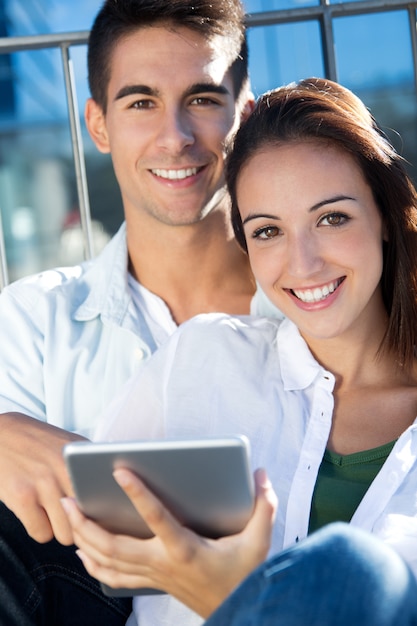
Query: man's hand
[
  {"x": 33, "y": 475},
  {"x": 199, "y": 572}
]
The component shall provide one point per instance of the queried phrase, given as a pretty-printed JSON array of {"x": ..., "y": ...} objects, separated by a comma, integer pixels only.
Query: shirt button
[{"x": 139, "y": 354}]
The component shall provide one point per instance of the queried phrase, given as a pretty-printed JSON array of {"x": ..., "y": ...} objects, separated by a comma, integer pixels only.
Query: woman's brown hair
[{"x": 322, "y": 110}]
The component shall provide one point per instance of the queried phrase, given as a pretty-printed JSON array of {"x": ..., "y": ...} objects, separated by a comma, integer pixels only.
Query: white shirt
[
  {"x": 71, "y": 337},
  {"x": 222, "y": 375}
]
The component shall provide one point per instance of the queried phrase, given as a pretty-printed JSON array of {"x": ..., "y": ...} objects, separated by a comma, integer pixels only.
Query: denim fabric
[
  {"x": 338, "y": 576},
  {"x": 47, "y": 585}
]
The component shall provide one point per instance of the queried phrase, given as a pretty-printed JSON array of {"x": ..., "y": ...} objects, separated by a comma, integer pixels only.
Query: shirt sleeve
[{"x": 21, "y": 360}]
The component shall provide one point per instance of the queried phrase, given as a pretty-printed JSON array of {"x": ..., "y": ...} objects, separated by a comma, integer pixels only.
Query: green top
[{"x": 342, "y": 482}]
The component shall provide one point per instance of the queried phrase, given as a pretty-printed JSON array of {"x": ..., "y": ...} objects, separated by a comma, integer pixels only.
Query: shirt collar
[
  {"x": 298, "y": 366},
  {"x": 106, "y": 289}
]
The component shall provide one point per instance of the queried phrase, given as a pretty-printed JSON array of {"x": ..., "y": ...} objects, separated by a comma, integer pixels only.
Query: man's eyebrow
[
  {"x": 130, "y": 90},
  {"x": 194, "y": 89},
  {"x": 340, "y": 198},
  {"x": 207, "y": 88}
]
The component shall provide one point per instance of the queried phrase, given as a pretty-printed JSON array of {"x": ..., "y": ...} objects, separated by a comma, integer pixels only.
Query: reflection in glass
[
  {"x": 38, "y": 199},
  {"x": 283, "y": 53},
  {"x": 256, "y": 6},
  {"x": 380, "y": 70}
]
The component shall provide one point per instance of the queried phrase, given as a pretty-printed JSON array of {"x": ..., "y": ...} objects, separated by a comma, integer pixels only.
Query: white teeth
[
  {"x": 317, "y": 294},
  {"x": 175, "y": 174}
]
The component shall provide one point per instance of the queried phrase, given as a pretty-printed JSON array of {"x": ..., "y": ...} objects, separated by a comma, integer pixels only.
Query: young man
[{"x": 169, "y": 87}]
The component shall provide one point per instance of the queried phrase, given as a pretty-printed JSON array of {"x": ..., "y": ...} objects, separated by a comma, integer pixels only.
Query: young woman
[{"x": 328, "y": 396}]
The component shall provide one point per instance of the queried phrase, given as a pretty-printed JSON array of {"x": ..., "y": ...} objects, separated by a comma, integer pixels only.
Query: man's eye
[
  {"x": 204, "y": 101},
  {"x": 266, "y": 232},
  {"x": 142, "y": 104}
]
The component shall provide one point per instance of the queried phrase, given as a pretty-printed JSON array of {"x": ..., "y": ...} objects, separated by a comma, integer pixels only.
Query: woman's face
[{"x": 314, "y": 236}]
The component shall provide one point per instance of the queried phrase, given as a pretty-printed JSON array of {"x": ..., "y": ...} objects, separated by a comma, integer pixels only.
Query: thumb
[{"x": 262, "y": 521}]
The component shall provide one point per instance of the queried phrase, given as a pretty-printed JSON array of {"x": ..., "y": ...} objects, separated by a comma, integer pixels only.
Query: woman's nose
[{"x": 303, "y": 256}]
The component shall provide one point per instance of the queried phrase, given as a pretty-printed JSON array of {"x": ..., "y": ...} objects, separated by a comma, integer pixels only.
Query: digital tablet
[{"x": 206, "y": 483}]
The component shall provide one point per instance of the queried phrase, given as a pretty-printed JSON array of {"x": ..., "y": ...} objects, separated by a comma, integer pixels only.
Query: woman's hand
[{"x": 199, "y": 572}]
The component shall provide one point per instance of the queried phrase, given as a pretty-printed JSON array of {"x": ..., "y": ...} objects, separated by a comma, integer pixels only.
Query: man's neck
[{"x": 194, "y": 269}]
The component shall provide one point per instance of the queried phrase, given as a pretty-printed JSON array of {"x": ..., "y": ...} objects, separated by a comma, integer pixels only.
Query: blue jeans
[
  {"x": 339, "y": 576},
  {"x": 47, "y": 585}
]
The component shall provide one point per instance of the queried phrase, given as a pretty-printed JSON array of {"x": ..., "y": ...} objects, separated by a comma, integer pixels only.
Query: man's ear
[
  {"x": 248, "y": 106},
  {"x": 95, "y": 121}
]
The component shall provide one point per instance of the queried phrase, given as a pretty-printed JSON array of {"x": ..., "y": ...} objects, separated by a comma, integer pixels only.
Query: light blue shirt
[
  {"x": 221, "y": 375},
  {"x": 71, "y": 337}
]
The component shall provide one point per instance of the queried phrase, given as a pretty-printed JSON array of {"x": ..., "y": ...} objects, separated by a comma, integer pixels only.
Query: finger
[
  {"x": 103, "y": 547},
  {"x": 87, "y": 534},
  {"x": 37, "y": 523},
  {"x": 180, "y": 542},
  {"x": 50, "y": 489},
  {"x": 156, "y": 515},
  {"x": 261, "y": 523},
  {"x": 264, "y": 490},
  {"x": 59, "y": 522},
  {"x": 50, "y": 492},
  {"x": 115, "y": 578},
  {"x": 115, "y": 560},
  {"x": 33, "y": 504}
]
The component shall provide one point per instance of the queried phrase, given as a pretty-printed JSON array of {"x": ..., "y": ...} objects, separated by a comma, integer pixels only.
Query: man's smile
[{"x": 179, "y": 174}]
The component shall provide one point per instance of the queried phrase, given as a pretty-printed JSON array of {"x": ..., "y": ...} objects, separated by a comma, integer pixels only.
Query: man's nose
[{"x": 175, "y": 132}]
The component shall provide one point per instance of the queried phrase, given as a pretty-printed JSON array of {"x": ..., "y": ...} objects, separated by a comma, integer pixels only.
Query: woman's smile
[
  {"x": 316, "y": 294},
  {"x": 314, "y": 235}
]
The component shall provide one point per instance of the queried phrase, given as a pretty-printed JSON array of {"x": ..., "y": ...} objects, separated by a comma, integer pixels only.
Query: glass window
[
  {"x": 38, "y": 195},
  {"x": 49, "y": 16},
  {"x": 379, "y": 69},
  {"x": 256, "y": 6},
  {"x": 36, "y": 189},
  {"x": 283, "y": 53},
  {"x": 374, "y": 49},
  {"x": 342, "y": 1}
]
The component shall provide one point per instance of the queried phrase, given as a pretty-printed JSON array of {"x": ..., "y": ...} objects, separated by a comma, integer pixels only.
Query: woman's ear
[{"x": 95, "y": 120}]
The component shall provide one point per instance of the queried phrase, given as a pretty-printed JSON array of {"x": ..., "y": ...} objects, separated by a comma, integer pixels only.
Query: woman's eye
[
  {"x": 334, "y": 219},
  {"x": 266, "y": 232}
]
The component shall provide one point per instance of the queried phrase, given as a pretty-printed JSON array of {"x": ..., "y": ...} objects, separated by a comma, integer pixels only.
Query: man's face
[{"x": 171, "y": 110}]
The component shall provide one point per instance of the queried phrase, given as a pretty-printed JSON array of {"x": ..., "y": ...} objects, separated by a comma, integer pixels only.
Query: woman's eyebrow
[
  {"x": 254, "y": 216},
  {"x": 331, "y": 200},
  {"x": 315, "y": 207}
]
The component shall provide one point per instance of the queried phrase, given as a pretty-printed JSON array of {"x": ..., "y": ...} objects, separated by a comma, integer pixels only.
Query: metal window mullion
[
  {"x": 40, "y": 42},
  {"x": 4, "y": 277},
  {"x": 327, "y": 42},
  {"x": 78, "y": 152},
  {"x": 413, "y": 31}
]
